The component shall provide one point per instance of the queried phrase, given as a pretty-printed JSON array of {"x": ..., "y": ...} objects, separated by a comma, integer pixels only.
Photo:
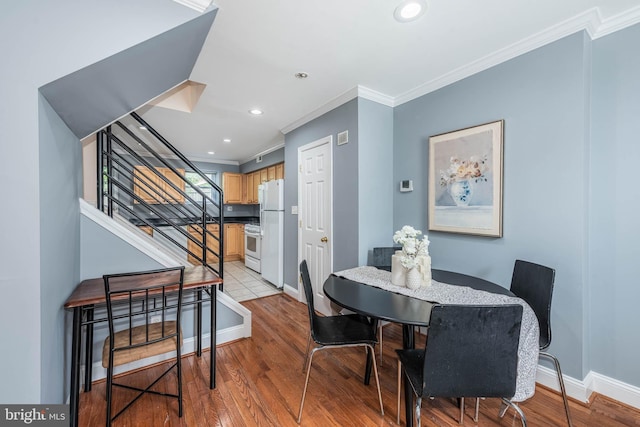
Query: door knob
[{"x": 324, "y": 240}]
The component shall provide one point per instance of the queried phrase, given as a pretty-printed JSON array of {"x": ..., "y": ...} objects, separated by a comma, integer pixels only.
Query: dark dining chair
[
  {"x": 381, "y": 258},
  {"x": 143, "y": 310},
  {"x": 351, "y": 330},
  {"x": 534, "y": 284},
  {"x": 471, "y": 351}
]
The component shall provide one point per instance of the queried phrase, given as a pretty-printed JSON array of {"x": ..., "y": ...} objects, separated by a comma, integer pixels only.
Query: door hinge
[
  {"x": 300, "y": 168},
  {"x": 300, "y": 224}
]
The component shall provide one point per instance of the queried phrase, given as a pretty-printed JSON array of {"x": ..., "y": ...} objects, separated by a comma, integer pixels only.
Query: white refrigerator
[{"x": 272, "y": 224}]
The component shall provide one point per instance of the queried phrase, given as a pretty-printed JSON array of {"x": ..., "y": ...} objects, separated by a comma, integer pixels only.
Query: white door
[{"x": 315, "y": 216}]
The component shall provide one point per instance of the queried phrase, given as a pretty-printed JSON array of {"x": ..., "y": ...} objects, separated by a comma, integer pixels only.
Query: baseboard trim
[
  {"x": 292, "y": 292},
  {"x": 592, "y": 383}
]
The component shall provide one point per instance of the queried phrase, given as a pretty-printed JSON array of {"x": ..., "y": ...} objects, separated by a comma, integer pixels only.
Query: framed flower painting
[{"x": 465, "y": 180}]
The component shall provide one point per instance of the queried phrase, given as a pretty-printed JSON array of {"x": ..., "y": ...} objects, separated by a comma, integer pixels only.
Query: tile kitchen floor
[{"x": 243, "y": 284}]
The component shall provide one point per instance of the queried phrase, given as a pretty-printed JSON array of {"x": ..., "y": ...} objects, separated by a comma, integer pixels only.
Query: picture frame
[{"x": 465, "y": 180}]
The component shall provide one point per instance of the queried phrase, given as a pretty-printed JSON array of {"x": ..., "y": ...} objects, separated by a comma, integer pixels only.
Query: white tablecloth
[{"x": 452, "y": 294}]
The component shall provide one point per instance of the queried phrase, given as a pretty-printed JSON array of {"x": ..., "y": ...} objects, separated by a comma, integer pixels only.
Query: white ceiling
[{"x": 348, "y": 47}]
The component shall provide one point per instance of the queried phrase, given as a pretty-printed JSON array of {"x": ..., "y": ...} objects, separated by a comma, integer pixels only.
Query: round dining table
[{"x": 381, "y": 304}]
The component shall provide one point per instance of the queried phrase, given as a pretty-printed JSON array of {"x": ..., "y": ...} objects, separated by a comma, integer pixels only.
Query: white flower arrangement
[{"x": 412, "y": 245}]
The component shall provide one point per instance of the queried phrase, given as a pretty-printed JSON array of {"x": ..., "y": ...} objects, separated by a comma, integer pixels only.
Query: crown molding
[
  {"x": 334, "y": 103},
  {"x": 589, "y": 21},
  {"x": 279, "y": 145},
  {"x": 210, "y": 160},
  {"x": 372, "y": 95},
  {"x": 618, "y": 22}
]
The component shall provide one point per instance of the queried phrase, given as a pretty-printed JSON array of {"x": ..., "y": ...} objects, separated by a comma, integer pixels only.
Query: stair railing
[{"x": 131, "y": 184}]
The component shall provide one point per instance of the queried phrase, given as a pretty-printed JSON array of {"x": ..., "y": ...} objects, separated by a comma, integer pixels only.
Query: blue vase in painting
[{"x": 461, "y": 192}]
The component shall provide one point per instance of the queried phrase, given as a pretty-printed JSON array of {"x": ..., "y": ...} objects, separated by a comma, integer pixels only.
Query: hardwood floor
[{"x": 260, "y": 380}]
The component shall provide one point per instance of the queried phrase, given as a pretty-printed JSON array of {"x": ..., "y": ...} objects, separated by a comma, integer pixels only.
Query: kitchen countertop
[{"x": 159, "y": 222}]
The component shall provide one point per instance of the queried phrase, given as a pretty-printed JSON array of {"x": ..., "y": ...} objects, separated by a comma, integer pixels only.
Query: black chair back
[
  {"x": 472, "y": 351},
  {"x": 144, "y": 321},
  {"x": 381, "y": 257},
  {"x": 308, "y": 291},
  {"x": 534, "y": 284}
]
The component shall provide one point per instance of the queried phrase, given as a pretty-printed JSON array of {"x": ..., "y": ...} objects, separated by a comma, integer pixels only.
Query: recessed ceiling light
[
  {"x": 410, "y": 10},
  {"x": 255, "y": 111},
  {"x": 226, "y": 140},
  {"x": 301, "y": 75},
  {"x": 211, "y": 152}
]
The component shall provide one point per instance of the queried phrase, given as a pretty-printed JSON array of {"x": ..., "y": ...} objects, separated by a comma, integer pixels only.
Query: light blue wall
[
  {"x": 542, "y": 97},
  {"x": 269, "y": 159},
  {"x": 27, "y": 252},
  {"x": 207, "y": 167},
  {"x": 60, "y": 178},
  {"x": 375, "y": 177},
  {"x": 614, "y": 232},
  {"x": 102, "y": 252},
  {"x": 345, "y": 187}
]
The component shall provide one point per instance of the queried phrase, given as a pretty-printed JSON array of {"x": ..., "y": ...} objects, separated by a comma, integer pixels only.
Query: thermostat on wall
[{"x": 406, "y": 185}]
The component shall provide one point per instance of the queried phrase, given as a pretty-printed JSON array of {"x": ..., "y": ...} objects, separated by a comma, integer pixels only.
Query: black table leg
[
  {"x": 369, "y": 364},
  {"x": 199, "y": 323},
  {"x": 75, "y": 366},
  {"x": 212, "y": 329},
  {"x": 88, "y": 351},
  {"x": 408, "y": 341}
]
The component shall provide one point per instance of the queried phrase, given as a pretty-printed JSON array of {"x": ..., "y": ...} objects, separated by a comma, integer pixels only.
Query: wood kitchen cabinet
[
  {"x": 271, "y": 173},
  {"x": 195, "y": 231},
  {"x": 250, "y": 198},
  {"x": 245, "y": 188},
  {"x": 152, "y": 189},
  {"x": 251, "y": 181},
  {"x": 171, "y": 194},
  {"x": 232, "y": 187},
  {"x": 233, "y": 242}
]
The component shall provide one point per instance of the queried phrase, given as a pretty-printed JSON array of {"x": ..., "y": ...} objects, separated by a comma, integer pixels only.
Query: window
[{"x": 196, "y": 180}]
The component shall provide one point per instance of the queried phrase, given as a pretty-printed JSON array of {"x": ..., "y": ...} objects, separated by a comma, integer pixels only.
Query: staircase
[{"x": 144, "y": 180}]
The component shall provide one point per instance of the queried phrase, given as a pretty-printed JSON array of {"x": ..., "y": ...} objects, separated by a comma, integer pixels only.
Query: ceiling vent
[{"x": 343, "y": 137}]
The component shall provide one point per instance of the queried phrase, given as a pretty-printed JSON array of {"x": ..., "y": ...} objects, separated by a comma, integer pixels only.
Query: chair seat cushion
[
  {"x": 138, "y": 335},
  {"x": 348, "y": 329}
]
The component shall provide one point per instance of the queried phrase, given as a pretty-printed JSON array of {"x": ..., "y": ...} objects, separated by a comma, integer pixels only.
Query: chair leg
[
  {"x": 306, "y": 382},
  {"x": 523, "y": 419},
  {"x": 418, "y": 410},
  {"x": 380, "y": 341},
  {"x": 109, "y": 388},
  {"x": 563, "y": 391},
  {"x": 179, "y": 368},
  {"x": 306, "y": 355},
  {"x": 503, "y": 409},
  {"x": 461, "y": 420},
  {"x": 477, "y": 411},
  {"x": 375, "y": 372},
  {"x": 399, "y": 386}
]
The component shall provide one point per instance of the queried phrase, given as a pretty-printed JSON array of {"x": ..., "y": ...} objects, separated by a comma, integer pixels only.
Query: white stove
[{"x": 252, "y": 244}]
